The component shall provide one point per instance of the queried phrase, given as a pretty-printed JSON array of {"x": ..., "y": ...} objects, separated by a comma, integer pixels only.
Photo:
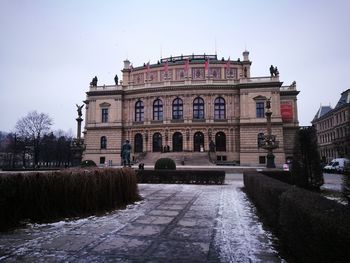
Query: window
[
  {"x": 139, "y": 113},
  {"x": 104, "y": 115},
  {"x": 219, "y": 109},
  {"x": 177, "y": 109},
  {"x": 262, "y": 159},
  {"x": 198, "y": 108},
  {"x": 102, "y": 160},
  {"x": 103, "y": 142},
  {"x": 157, "y": 110},
  {"x": 260, "y": 110}
]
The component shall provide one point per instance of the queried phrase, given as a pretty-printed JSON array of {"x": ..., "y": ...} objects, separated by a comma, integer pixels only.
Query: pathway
[{"x": 174, "y": 223}]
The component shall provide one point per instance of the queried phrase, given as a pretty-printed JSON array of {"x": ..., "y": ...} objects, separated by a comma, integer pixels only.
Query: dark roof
[
  {"x": 322, "y": 111},
  {"x": 344, "y": 99}
]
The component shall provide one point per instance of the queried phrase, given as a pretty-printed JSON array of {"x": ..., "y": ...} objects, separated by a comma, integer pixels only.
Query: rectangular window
[
  {"x": 104, "y": 115},
  {"x": 102, "y": 160},
  {"x": 262, "y": 159},
  {"x": 260, "y": 110}
]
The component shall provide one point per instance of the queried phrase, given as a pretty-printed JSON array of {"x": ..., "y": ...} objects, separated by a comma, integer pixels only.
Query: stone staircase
[{"x": 190, "y": 158}]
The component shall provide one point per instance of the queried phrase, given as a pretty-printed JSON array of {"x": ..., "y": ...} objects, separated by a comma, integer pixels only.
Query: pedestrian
[{"x": 125, "y": 153}]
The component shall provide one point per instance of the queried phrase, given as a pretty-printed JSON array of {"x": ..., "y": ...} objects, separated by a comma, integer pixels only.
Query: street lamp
[{"x": 269, "y": 142}]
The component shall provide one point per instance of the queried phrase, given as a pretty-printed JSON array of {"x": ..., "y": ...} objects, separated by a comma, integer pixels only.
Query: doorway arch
[
  {"x": 177, "y": 142},
  {"x": 198, "y": 141},
  {"x": 138, "y": 143},
  {"x": 157, "y": 142},
  {"x": 220, "y": 142}
]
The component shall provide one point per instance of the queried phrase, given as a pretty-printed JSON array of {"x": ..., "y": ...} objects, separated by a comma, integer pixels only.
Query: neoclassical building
[
  {"x": 333, "y": 129},
  {"x": 182, "y": 104}
]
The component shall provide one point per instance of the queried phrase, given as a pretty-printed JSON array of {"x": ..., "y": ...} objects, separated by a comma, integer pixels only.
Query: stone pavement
[{"x": 174, "y": 223}]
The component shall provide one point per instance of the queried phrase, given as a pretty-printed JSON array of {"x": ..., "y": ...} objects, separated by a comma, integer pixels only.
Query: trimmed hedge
[
  {"x": 265, "y": 193},
  {"x": 181, "y": 176},
  {"x": 314, "y": 228},
  {"x": 283, "y": 176},
  {"x": 41, "y": 197},
  {"x": 310, "y": 227},
  {"x": 165, "y": 164}
]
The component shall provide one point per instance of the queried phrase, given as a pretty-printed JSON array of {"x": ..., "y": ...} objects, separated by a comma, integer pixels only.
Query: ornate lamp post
[{"x": 269, "y": 142}]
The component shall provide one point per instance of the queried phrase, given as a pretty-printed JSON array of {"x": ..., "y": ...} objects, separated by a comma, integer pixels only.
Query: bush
[
  {"x": 41, "y": 197},
  {"x": 306, "y": 168},
  {"x": 181, "y": 176},
  {"x": 283, "y": 176},
  {"x": 313, "y": 228},
  {"x": 265, "y": 193},
  {"x": 309, "y": 227},
  {"x": 165, "y": 163},
  {"x": 88, "y": 163}
]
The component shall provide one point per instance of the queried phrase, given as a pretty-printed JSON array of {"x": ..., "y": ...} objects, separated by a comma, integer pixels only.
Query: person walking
[{"x": 125, "y": 153}]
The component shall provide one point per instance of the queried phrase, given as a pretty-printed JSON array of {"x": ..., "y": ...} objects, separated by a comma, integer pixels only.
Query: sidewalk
[{"x": 174, "y": 223}]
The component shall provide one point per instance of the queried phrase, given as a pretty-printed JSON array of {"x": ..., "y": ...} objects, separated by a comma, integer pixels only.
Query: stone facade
[
  {"x": 183, "y": 103},
  {"x": 333, "y": 129}
]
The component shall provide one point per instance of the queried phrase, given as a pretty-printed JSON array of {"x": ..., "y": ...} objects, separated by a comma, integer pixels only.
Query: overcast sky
[{"x": 50, "y": 50}]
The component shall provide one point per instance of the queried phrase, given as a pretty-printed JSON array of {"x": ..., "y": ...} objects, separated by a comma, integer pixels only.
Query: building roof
[
  {"x": 344, "y": 99},
  {"x": 322, "y": 111}
]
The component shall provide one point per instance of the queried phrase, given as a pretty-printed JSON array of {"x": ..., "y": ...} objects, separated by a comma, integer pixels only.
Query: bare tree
[{"x": 33, "y": 126}]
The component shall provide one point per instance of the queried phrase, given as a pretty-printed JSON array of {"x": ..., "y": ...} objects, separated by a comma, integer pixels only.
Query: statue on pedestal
[{"x": 79, "y": 108}]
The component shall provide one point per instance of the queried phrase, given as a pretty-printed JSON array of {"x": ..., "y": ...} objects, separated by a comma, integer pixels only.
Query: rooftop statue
[
  {"x": 94, "y": 82},
  {"x": 116, "y": 79},
  {"x": 274, "y": 71}
]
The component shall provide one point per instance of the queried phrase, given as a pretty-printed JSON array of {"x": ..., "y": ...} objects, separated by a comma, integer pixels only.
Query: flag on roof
[
  {"x": 166, "y": 67},
  {"x": 206, "y": 65},
  {"x": 187, "y": 65},
  {"x": 228, "y": 65}
]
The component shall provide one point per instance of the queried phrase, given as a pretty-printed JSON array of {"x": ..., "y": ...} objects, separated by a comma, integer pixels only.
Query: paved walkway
[{"x": 174, "y": 223}]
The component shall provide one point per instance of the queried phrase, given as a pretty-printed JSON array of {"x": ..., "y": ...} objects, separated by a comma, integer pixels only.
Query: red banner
[{"x": 287, "y": 111}]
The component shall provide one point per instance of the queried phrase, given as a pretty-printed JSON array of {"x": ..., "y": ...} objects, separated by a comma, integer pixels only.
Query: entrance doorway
[
  {"x": 198, "y": 142},
  {"x": 157, "y": 142},
  {"x": 177, "y": 142},
  {"x": 138, "y": 143},
  {"x": 220, "y": 142}
]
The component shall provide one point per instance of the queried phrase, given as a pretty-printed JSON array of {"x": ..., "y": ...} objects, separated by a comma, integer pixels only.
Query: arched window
[
  {"x": 139, "y": 113},
  {"x": 219, "y": 109},
  {"x": 198, "y": 108},
  {"x": 103, "y": 142},
  {"x": 220, "y": 142},
  {"x": 138, "y": 143},
  {"x": 198, "y": 142},
  {"x": 157, "y": 110},
  {"x": 177, "y": 109}
]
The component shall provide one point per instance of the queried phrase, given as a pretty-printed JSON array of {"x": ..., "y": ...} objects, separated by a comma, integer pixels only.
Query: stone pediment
[
  {"x": 105, "y": 105},
  {"x": 260, "y": 98}
]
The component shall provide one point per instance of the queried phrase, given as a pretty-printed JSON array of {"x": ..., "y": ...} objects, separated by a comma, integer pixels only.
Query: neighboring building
[
  {"x": 333, "y": 129},
  {"x": 183, "y": 103}
]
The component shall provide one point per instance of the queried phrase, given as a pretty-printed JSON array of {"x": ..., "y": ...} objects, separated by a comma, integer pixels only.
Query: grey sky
[{"x": 50, "y": 50}]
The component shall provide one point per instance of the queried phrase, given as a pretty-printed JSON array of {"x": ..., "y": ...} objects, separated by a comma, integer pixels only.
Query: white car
[{"x": 336, "y": 165}]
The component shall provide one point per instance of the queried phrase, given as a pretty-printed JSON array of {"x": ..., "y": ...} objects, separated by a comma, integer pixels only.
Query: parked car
[{"x": 336, "y": 165}]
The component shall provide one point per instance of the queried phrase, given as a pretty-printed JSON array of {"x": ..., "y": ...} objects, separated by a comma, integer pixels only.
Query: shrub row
[
  {"x": 310, "y": 227},
  {"x": 283, "y": 176},
  {"x": 181, "y": 176},
  {"x": 40, "y": 197},
  {"x": 265, "y": 193}
]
